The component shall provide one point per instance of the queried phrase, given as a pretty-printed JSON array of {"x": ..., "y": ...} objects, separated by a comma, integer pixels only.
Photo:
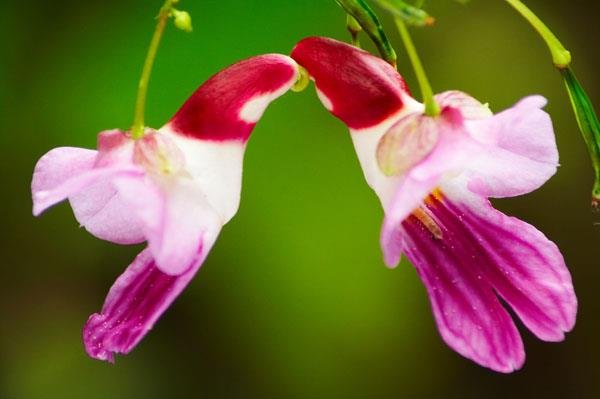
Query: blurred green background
[{"x": 294, "y": 300}]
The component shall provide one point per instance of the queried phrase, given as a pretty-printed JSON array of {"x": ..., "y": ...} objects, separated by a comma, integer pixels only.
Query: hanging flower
[
  {"x": 174, "y": 187},
  {"x": 433, "y": 176}
]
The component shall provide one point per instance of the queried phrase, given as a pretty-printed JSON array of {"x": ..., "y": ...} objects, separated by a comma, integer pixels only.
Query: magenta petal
[
  {"x": 357, "y": 87},
  {"x": 228, "y": 105},
  {"x": 467, "y": 253},
  {"x": 134, "y": 303},
  {"x": 468, "y": 314},
  {"x": 524, "y": 267}
]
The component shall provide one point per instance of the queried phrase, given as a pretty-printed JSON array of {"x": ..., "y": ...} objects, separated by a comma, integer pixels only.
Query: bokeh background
[{"x": 294, "y": 300}]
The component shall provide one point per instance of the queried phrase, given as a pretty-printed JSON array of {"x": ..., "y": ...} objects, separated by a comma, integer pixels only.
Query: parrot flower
[
  {"x": 174, "y": 188},
  {"x": 433, "y": 176}
]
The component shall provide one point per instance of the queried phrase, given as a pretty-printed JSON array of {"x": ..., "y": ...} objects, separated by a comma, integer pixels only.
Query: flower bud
[{"x": 182, "y": 20}]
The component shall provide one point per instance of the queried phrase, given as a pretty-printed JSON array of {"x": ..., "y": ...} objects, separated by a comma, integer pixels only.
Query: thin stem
[
  {"x": 137, "y": 129},
  {"x": 431, "y": 106},
  {"x": 560, "y": 55}
]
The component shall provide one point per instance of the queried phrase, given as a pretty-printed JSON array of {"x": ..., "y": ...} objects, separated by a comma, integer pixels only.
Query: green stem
[
  {"x": 137, "y": 129},
  {"x": 560, "y": 55},
  {"x": 369, "y": 22},
  {"x": 431, "y": 106}
]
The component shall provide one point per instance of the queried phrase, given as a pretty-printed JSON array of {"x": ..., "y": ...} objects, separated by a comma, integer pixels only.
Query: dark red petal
[
  {"x": 213, "y": 112},
  {"x": 363, "y": 89}
]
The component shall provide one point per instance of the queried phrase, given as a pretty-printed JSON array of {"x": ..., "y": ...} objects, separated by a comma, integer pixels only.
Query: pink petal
[
  {"x": 228, "y": 105},
  {"x": 65, "y": 172},
  {"x": 469, "y": 317},
  {"x": 525, "y": 268},
  {"x": 357, "y": 87},
  {"x": 176, "y": 219},
  {"x": 56, "y": 167},
  {"x": 473, "y": 253},
  {"x": 101, "y": 210},
  {"x": 453, "y": 150},
  {"x": 134, "y": 303},
  {"x": 520, "y": 151}
]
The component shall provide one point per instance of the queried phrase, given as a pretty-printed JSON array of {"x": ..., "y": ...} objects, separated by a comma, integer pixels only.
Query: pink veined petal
[
  {"x": 525, "y": 268},
  {"x": 65, "y": 172},
  {"x": 357, "y": 87},
  {"x": 519, "y": 153},
  {"x": 175, "y": 218},
  {"x": 466, "y": 253},
  {"x": 228, "y": 105},
  {"x": 134, "y": 303},
  {"x": 468, "y": 315}
]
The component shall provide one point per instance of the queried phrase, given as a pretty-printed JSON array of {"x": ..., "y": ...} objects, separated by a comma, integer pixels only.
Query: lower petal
[
  {"x": 134, "y": 303},
  {"x": 525, "y": 268},
  {"x": 469, "y": 316}
]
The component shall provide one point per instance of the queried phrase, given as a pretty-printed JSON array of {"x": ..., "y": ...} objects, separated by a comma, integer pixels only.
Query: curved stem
[
  {"x": 431, "y": 106},
  {"x": 137, "y": 129},
  {"x": 560, "y": 55}
]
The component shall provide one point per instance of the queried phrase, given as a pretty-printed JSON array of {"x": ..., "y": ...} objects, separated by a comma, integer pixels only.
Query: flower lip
[{"x": 363, "y": 90}]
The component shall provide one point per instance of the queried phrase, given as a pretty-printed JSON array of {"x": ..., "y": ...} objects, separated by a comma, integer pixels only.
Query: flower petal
[
  {"x": 357, "y": 87},
  {"x": 525, "y": 268},
  {"x": 65, "y": 172},
  {"x": 466, "y": 253},
  {"x": 134, "y": 303},
  {"x": 228, "y": 105},
  {"x": 468, "y": 314},
  {"x": 520, "y": 151},
  {"x": 176, "y": 219}
]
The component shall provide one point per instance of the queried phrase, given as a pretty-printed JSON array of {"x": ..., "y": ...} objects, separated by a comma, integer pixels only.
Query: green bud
[
  {"x": 410, "y": 14},
  {"x": 588, "y": 125},
  {"x": 354, "y": 28},
  {"x": 182, "y": 20}
]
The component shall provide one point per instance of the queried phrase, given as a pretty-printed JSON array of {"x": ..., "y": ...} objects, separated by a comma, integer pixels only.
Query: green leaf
[{"x": 588, "y": 125}]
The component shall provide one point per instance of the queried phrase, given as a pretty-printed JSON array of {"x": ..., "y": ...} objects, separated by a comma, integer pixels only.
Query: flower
[
  {"x": 174, "y": 188},
  {"x": 433, "y": 176}
]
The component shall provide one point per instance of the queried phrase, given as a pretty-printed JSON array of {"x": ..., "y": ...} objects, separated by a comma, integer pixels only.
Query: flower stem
[
  {"x": 560, "y": 55},
  {"x": 369, "y": 22},
  {"x": 431, "y": 106},
  {"x": 137, "y": 129}
]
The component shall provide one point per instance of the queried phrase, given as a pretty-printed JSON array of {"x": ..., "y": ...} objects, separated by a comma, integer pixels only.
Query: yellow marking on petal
[
  {"x": 435, "y": 196},
  {"x": 429, "y": 223}
]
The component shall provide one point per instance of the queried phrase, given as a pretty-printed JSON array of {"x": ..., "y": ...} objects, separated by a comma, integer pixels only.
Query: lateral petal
[
  {"x": 65, "y": 172},
  {"x": 519, "y": 151}
]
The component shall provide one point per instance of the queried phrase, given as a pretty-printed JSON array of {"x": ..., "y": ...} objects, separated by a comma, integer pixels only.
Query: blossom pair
[{"x": 177, "y": 186}]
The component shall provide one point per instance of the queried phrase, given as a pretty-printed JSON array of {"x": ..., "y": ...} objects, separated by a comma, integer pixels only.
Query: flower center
[{"x": 158, "y": 154}]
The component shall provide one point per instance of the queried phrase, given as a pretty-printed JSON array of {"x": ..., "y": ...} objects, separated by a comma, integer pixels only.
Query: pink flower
[
  {"x": 433, "y": 177},
  {"x": 174, "y": 188}
]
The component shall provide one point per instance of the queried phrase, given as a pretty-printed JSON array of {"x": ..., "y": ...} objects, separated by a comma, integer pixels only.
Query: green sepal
[{"x": 588, "y": 125}]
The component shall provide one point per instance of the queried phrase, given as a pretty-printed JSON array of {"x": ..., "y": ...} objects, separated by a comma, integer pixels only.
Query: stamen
[{"x": 429, "y": 223}]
